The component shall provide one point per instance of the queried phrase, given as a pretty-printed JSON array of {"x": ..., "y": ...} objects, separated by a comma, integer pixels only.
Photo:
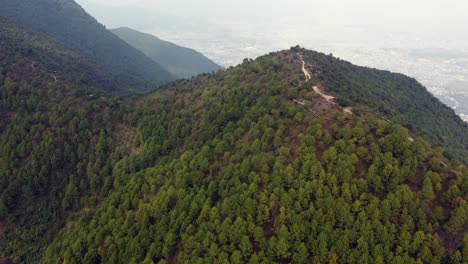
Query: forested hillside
[
  {"x": 45, "y": 55},
  {"x": 250, "y": 165},
  {"x": 57, "y": 146},
  {"x": 394, "y": 96},
  {"x": 66, "y": 22},
  {"x": 181, "y": 62}
]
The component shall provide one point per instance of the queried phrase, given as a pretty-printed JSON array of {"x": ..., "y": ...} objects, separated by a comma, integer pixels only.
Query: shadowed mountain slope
[
  {"x": 66, "y": 22},
  {"x": 180, "y": 61}
]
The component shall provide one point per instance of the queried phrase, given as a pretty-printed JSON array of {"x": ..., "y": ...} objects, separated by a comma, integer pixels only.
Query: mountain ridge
[
  {"x": 252, "y": 165},
  {"x": 393, "y": 96},
  {"x": 69, "y": 24},
  {"x": 43, "y": 52},
  {"x": 180, "y": 61},
  {"x": 258, "y": 162}
]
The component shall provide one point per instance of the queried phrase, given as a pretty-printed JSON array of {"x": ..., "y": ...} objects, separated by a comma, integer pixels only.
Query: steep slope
[
  {"x": 257, "y": 163},
  {"x": 66, "y": 22},
  {"x": 252, "y": 165},
  {"x": 56, "y": 141},
  {"x": 393, "y": 96},
  {"x": 180, "y": 61},
  {"x": 46, "y": 55}
]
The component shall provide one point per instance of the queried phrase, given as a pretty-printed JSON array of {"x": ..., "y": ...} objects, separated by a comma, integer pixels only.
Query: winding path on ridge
[
  {"x": 307, "y": 75},
  {"x": 329, "y": 98},
  {"x": 306, "y": 72}
]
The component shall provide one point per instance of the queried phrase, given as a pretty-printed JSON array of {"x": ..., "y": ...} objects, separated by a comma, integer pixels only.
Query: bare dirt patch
[
  {"x": 7, "y": 115},
  {"x": 348, "y": 110},
  {"x": 125, "y": 136},
  {"x": 319, "y": 90}
]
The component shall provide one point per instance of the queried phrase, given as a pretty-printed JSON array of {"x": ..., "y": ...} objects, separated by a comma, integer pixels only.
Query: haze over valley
[{"x": 427, "y": 40}]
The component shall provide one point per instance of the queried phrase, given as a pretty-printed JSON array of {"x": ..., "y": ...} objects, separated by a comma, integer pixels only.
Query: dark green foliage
[
  {"x": 181, "y": 62},
  {"x": 45, "y": 56},
  {"x": 222, "y": 168},
  {"x": 67, "y": 23},
  {"x": 56, "y": 142},
  {"x": 394, "y": 96},
  {"x": 227, "y": 174}
]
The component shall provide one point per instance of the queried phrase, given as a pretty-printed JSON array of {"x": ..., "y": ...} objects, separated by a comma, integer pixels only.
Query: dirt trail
[
  {"x": 308, "y": 76},
  {"x": 329, "y": 98},
  {"x": 348, "y": 110},
  {"x": 306, "y": 72}
]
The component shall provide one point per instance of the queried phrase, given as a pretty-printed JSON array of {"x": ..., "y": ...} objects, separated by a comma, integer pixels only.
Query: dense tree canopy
[
  {"x": 248, "y": 165},
  {"x": 57, "y": 146},
  {"x": 126, "y": 69},
  {"x": 231, "y": 170},
  {"x": 392, "y": 96}
]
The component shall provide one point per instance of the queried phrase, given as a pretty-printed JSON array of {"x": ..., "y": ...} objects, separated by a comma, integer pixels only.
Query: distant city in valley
[
  {"x": 443, "y": 71},
  {"x": 433, "y": 53}
]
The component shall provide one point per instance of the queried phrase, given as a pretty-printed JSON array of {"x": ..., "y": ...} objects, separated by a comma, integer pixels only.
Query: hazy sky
[
  {"x": 396, "y": 14},
  {"x": 436, "y": 23}
]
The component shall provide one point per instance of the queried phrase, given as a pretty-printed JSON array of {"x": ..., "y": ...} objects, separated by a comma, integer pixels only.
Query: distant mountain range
[
  {"x": 129, "y": 70},
  {"x": 181, "y": 62}
]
